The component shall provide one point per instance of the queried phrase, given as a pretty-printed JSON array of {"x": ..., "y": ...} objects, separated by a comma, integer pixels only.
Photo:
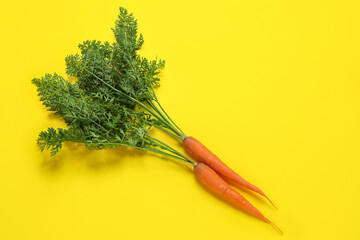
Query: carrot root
[
  {"x": 203, "y": 155},
  {"x": 208, "y": 177}
]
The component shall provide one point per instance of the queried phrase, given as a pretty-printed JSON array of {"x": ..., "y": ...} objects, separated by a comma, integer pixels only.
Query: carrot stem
[{"x": 157, "y": 101}]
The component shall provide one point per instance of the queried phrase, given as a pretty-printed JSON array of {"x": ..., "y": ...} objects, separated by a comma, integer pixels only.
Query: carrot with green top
[{"x": 112, "y": 103}]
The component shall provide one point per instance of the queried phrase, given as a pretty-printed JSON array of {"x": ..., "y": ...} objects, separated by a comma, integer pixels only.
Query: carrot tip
[
  {"x": 276, "y": 227},
  {"x": 271, "y": 202}
]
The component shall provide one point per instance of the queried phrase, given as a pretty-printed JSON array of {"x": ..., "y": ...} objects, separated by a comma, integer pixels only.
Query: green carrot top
[{"x": 113, "y": 102}]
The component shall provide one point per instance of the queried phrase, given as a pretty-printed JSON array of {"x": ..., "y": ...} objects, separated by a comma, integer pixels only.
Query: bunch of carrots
[{"x": 113, "y": 104}]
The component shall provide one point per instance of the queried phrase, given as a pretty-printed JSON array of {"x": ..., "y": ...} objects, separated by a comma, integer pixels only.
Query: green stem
[
  {"x": 170, "y": 148},
  {"x": 153, "y": 150},
  {"x": 171, "y": 127},
  {"x": 163, "y": 129},
  {"x": 157, "y": 101},
  {"x": 168, "y": 155}
]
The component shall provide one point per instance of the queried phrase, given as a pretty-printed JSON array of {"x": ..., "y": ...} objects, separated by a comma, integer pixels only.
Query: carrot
[
  {"x": 215, "y": 183},
  {"x": 203, "y": 155}
]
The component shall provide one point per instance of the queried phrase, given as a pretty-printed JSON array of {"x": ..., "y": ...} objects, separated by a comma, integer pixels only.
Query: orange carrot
[
  {"x": 215, "y": 183},
  {"x": 203, "y": 155}
]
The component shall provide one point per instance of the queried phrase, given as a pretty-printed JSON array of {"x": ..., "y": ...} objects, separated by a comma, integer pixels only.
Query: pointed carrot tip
[
  {"x": 269, "y": 201},
  {"x": 276, "y": 227}
]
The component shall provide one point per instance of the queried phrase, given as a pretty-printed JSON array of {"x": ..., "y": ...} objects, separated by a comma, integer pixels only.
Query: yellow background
[{"x": 272, "y": 87}]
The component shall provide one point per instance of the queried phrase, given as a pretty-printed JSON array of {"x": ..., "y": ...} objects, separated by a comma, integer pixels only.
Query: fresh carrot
[
  {"x": 203, "y": 155},
  {"x": 215, "y": 183}
]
